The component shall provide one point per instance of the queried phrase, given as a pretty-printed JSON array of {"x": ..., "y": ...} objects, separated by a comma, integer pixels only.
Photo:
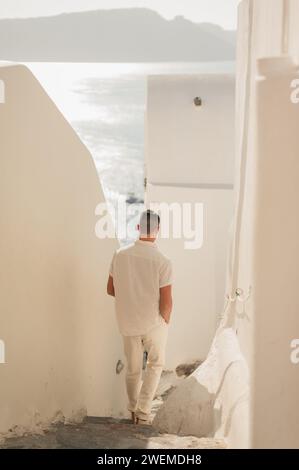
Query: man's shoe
[
  {"x": 144, "y": 422},
  {"x": 134, "y": 418}
]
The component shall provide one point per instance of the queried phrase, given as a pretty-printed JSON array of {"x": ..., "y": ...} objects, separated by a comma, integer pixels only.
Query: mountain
[
  {"x": 118, "y": 35},
  {"x": 217, "y": 31}
]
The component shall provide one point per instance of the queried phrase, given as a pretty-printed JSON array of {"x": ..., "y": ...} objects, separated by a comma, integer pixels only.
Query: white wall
[
  {"x": 198, "y": 287},
  {"x": 189, "y": 158},
  {"x": 276, "y": 256},
  {"x": 187, "y": 144},
  {"x": 265, "y": 247},
  {"x": 58, "y": 325}
]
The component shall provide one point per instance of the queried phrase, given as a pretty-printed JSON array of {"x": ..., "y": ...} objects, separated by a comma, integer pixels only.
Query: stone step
[{"x": 107, "y": 433}]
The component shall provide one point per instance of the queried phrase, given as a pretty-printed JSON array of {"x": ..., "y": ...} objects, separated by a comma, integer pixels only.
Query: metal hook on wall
[{"x": 239, "y": 295}]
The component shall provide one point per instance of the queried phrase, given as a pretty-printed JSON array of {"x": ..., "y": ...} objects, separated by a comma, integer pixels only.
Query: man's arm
[
  {"x": 110, "y": 286},
  {"x": 165, "y": 303}
]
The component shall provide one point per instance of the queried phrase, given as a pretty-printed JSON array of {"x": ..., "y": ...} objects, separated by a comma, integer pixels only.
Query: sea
[{"x": 105, "y": 103}]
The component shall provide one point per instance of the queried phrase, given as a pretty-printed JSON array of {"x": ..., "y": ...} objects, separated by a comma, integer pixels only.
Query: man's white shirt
[{"x": 139, "y": 271}]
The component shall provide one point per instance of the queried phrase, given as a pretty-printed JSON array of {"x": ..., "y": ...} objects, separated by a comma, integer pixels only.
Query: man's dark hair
[{"x": 149, "y": 222}]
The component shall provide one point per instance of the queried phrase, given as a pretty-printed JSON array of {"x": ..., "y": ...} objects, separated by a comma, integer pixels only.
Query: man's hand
[
  {"x": 110, "y": 286},
  {"x": 165, "y": 303}
]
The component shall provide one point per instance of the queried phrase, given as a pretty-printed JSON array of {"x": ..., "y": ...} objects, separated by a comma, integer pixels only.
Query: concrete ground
[
  {"x": 107, "y": 433},
  {"x": 110, "y": 433}
]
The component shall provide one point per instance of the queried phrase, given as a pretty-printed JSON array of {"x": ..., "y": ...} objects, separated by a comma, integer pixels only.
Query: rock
[
  {"x": 210, "y": 401},
  {"x": 188, "y": 410},
  {"x": 187, "y": 369}
]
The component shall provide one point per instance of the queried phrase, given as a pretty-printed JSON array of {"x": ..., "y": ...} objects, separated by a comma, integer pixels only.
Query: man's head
[{"x": 149, "y": 224}]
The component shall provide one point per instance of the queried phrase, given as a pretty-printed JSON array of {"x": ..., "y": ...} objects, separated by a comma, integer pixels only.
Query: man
[{"x": 140, "y": 279}]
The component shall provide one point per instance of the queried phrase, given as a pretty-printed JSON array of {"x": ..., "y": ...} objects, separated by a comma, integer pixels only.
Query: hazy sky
[{"x": 222, "y": 12}]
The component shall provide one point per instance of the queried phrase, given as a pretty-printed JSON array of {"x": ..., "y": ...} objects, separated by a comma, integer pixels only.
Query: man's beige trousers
[{"x": 140, "y": 393}]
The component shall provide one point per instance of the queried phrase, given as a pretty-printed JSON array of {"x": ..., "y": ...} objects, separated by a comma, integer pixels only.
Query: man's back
[{"x": 139, "y": 271}]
